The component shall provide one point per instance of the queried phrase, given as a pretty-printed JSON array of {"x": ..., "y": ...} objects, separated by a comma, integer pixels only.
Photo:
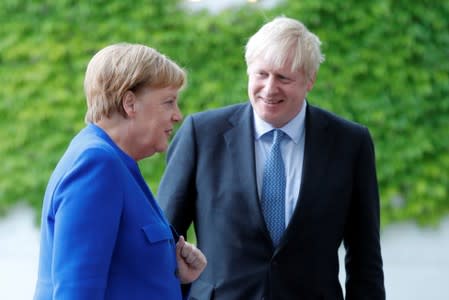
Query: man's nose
[{"x": 270, "y": 86}]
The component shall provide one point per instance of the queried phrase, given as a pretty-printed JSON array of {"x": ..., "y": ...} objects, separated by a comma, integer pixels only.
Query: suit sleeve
[
  {"x": 177, "y": 192},
  {"x": 364, "y": 272},
  {"x": 86, "y": 208}
]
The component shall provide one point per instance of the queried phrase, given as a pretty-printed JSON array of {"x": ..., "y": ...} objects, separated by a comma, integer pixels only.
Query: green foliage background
[{"x": 387, "y": 66}]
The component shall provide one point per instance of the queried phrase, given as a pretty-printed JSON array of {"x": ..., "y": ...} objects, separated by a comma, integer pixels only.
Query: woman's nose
[{"x": 177, "y": 116}]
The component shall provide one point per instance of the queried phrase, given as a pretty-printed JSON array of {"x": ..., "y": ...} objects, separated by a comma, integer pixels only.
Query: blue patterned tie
[{"x": 273, "y": 189}]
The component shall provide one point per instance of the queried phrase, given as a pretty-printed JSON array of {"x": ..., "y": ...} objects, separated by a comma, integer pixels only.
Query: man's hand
[{"x": 191, "y": 261}]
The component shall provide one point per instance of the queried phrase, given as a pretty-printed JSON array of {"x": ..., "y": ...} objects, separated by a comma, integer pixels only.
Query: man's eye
[{"x": 284, "y": 79}]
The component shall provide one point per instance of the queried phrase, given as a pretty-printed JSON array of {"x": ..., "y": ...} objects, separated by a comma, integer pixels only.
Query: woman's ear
[{"x": 129, "y": 103}]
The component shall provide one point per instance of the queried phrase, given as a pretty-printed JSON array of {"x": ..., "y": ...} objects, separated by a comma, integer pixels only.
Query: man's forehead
[{"x": 273, "y": 67}]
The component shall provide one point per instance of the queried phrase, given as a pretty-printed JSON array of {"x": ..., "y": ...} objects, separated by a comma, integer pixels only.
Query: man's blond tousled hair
[{"x": 284, "y": 38}]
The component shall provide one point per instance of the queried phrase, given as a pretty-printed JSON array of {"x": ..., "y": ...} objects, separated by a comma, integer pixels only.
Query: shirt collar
[{"x": 294, "y": 128}]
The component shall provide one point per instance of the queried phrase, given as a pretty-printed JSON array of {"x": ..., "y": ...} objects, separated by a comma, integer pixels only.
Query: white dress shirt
[{"x": 292, "y": 149}]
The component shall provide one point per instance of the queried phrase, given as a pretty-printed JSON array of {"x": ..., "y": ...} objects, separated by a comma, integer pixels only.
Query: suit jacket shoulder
[
  {"x": 214, "y": 117},
  {"x": 327, "y": 118}
]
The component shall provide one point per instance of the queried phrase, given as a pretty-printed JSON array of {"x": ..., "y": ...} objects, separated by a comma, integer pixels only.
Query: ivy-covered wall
[{"x": 387, "y": 66}]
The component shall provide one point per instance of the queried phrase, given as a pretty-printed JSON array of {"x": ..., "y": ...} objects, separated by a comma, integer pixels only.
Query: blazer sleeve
[
  {"x": 364, "y": 272},
  {"x": 86, "y": 207},
  {"x": 177, "y": 192}
]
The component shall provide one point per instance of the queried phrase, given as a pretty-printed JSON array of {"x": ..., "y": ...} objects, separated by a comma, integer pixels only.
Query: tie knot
[{"x": 278, "y": 134}]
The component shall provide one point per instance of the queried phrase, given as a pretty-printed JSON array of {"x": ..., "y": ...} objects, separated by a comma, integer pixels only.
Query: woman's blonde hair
[
  {"x": 122, "y": 67},
  {"x": 285, "y": 38}
]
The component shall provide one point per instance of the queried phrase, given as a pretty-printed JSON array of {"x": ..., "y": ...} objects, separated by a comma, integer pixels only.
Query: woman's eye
[{"x": 169, "y": 102}]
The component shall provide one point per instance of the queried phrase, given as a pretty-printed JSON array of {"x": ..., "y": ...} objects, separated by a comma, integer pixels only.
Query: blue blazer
[
  {"x": 103, "y": 236},
  {"x": 210, "y": 180}
]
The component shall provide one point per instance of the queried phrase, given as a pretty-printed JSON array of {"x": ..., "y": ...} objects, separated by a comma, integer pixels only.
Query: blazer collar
[
  {"x": 317, "y": 149},
  {"x": 240, "y": 142},
  {"x": 239, "y": 139}
]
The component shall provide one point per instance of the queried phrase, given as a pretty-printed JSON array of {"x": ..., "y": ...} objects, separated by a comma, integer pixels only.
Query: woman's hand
[{"x": 191, "y": 261}]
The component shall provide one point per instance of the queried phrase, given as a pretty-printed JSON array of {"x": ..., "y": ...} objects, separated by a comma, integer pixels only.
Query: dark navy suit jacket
[{"x": 210, "y": 180}]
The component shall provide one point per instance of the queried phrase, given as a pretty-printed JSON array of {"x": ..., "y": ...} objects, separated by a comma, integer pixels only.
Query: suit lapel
[
  {"x": 240, "y": 142},
  {"x": 317, "y": 147},
  {"x": 318, "y": 144}
]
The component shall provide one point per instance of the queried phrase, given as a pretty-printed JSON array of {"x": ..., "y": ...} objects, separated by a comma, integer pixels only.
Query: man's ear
[
  {"x": 310, "y": 82},
  {"x": 129, "y": 103}
]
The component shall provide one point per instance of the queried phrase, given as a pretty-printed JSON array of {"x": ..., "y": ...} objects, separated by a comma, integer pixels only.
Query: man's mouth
[{"x": 271, "y": 101}]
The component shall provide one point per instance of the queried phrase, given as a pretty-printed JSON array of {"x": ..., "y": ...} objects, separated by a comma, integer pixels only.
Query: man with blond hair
[{"x": 273, "y": 186}]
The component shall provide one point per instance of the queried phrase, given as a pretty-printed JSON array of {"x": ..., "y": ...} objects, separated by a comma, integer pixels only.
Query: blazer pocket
[
  {"x": 201, "y": 290},
  {"x": 157, "y": 232}
]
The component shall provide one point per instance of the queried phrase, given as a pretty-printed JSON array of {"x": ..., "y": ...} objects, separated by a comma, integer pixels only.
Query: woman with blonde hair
[{"x": 103, "y": 235}]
